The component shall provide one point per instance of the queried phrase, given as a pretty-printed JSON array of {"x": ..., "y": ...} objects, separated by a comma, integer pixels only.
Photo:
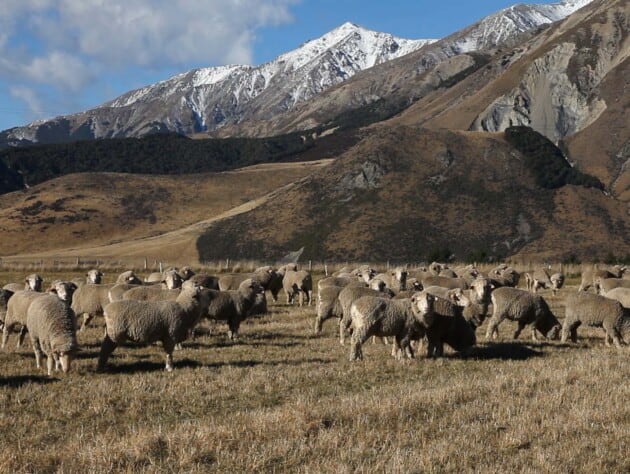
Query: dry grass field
[{"x": 284, "y": 400}]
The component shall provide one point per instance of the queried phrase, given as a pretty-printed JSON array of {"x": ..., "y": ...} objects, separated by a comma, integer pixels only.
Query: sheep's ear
[{"x": 53, "y": 290}]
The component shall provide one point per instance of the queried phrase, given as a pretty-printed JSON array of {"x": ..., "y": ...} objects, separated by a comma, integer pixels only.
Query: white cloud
[
  {"x": 30, "y": 98},
  {"x": 67, "y": 44}
]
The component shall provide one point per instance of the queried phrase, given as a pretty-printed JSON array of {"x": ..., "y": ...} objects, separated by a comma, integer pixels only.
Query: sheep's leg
[
  {"x": 319, "y": 322},
  {"x": 300, "y": 298},
  {"x": 612, "y": 334},
  {"x": 344, "y": 324},
  {"x": 358, "y": 338},
  {"x": 107, "y": 347},
  {"x": 50, "y": 361},
  {"x": 233, "y": 329},
  {"x": 87, "y": 317},
  {"x": 519, "y": 329},
  {"x": 38, "y": 353},
  {"x": 397, "y": 352},
  {"x": 309, "y": 297},
  {"x": 168, "y": 346},
  {"x": 23, "y": 331},
  {"x": 493, "y": 328},
  {"x": 5, "y": 335}
]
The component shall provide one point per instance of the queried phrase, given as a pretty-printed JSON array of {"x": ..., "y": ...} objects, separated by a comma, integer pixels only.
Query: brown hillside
[
  {"x": 85, "y": 210},
  {"x": 406, "y": 193}
]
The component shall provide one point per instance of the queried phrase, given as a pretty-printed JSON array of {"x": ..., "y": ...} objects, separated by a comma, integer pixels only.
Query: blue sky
[{"x": 64, "y": 56}]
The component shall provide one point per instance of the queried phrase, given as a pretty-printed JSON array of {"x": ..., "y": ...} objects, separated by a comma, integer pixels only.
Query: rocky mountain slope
[{"x": 234, "y": 99}]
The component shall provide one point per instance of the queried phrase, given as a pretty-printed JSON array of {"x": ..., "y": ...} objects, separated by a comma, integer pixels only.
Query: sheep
[
  {"x": 145, "y": 322},
  {"x": 266, "y": 276},
  {"x": 504, "y": 276},
  {"x": 445, "y": 324},
  {"x": 32, "y": 282},
  {"x": 395, "y": 279},
  {"x": 525, "y": 308},
  {"x": 233, "y": 306},
  {"x": 151, "y": 293},
  {"x": 620, "y": 294},
  {"x": 604, "y": 285},
  {"x": 468, "y": 273},
  {"x": 170, "y": 281},
  {"x": 328, "y": 306},
  {"x": 590, "y": 275},
  {"x": 52, "y": 329},
  {"x": 340, "y": 281},
  {"x": 435, "y": 268},
  {"x": 298, "y": 283},
  {"x": 540, "y": 279},
  {"x": 169, "y": 277},
  {"x": 18, "y": 304},
  {"x": 350, "y": 294},
  {"x": 377, "y": 316},
  {"x": 89, "y": 300},
  {"x": 598, "y": 311}
]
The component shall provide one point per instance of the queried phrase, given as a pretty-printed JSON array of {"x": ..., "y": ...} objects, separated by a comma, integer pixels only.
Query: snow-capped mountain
[{"x": 209, "y": 99}]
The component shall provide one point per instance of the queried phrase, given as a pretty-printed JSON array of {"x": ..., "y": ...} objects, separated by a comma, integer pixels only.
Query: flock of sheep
[{"x": 437, "y": 304}]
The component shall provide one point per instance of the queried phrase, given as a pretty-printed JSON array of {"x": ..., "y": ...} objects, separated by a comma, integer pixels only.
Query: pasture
[{"x": 283, "y": 399}]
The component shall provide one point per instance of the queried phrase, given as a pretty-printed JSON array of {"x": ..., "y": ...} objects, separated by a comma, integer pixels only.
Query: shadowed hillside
[{"x": 408, "y": 193}]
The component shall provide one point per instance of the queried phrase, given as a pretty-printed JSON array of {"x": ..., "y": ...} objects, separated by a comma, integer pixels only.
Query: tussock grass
[{"x": 283, "y": 399}]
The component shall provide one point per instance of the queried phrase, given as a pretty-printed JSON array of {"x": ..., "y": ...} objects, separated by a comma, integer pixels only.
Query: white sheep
[
  {"x": 145, "y": 322},
  {"x": 404, "y": 319},
  {"x": 395, "y": 279},
  {"x": 32, "y": 282},
  {"x": 525, "y": 308},
  {"x": 233, "y": 306},
  {"x": 89, "y": 300},
  {"x": 599, "y": 311},
  {"x": 619, "y": 294},
  {"x": 4, "y": 301},
  {"x": 52, "y": 329},
  {"x": 298, "y": 283}
]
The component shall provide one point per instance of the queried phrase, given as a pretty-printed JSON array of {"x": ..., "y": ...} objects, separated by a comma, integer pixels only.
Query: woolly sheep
[
  {"x": 525, "y": 308},
  {"x": 349, "y": 295},
  {"x": 507, "y": 276},
  {"x": 395, "y": 279},
  {"x": 233, "y": 306},
  {"x": 340, "y": 281},
  {"x": 599, "y": 311},
  {"x": 145, "y": 322},
  {"x": 89, "y": 300},
  {"x": 378, "y": 316},
  {"x": 445, "y": 324},
  {"x": 444, "y": 282},
  {"x": 328, "y": 306},
  {"x": 266, "y": 276},
  {"x": 590, "y": 275},
  {"x": 52, "y": 329},
  {"x": 204, "y": 280},
  {"x": 32, "y": 282},
  {"x": 151, "y": 293},
  {"x": 18, "y": 304},
  {"x": 298, "y": 283},
  {"x": 620, "y": 294},
  {"x": 540, "y": 279}
]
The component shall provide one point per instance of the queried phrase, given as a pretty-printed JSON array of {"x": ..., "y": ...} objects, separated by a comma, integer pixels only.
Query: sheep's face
[
  {"x": 94, "y": 276},
  {"x": 64, "y": 290},
  {"x": 458, "y": 297},
  {"x": 172, "y": 280},
  {"x": 557, "y": 280},
  {"x": 186, "y": 273},
  {"x": 34, "y": 282},
  {"x": 481, "y": 288},
  {"x": 378, "y": 284},
  {"x": 422, "y": 305}
]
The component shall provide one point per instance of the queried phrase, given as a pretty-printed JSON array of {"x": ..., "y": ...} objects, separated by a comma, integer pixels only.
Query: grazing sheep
[
  {"x": 620, "y": 294},
  {"x": 349, "y": 295},
  {"x": 328, "y": 306},
  {"x": 540, "y": 280},
  {"x": 266, "y": 276},
  {"x": 89, "y": 300},
  {"x": 590, "y": 275},
  {"x": 145, "y": 322},
  {"x": 395, "y": 279},
  {"x": 151, "y": 293},
  {"x": 604, "y": 285},
  {"x": 186, "y": 273},
  {"x": 377, "y": 316},
  {"x": 298, "y": 283},
  {"x": 445, "y": 325},
  {"x": 233, "y": 306},
  {"x": 454, "y": 295},
  {"x": 598, "y": 311},
  {"x": 52, "y": 329},
  {"x": 524, "y": 308},
  {"x": 32, "y": 282},
  {"x": 436, "y": 268}
]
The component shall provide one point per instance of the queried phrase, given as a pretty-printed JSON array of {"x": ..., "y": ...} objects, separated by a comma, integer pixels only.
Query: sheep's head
[
  {"x": 481, "y": 289},
  {"x": 400, "y": 274},
  {"x": 34, "y": 282},
  {"x": 557, "y": 281},
  {"x": 172, "y": 280},
  {"x": 128, "y": 277},
  {"x": 186, "y": 273},
  {"x": 378, "y": 284},
  {"x": 422, "y": 304},
  {"x": 94, "y": 276},
  {"x": 64, "y": 290},
  {"x": 457, "y": 297}
]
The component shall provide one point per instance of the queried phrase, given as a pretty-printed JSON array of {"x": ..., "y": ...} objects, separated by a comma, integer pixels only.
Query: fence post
[
  {"x": 145, "y": 263},
  {"x": 160, "y": 267},
  {"x": 326, "y": 269}
]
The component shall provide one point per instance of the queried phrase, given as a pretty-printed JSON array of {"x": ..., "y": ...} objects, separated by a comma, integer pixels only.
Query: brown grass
[{"x": 282, "y": 399}]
